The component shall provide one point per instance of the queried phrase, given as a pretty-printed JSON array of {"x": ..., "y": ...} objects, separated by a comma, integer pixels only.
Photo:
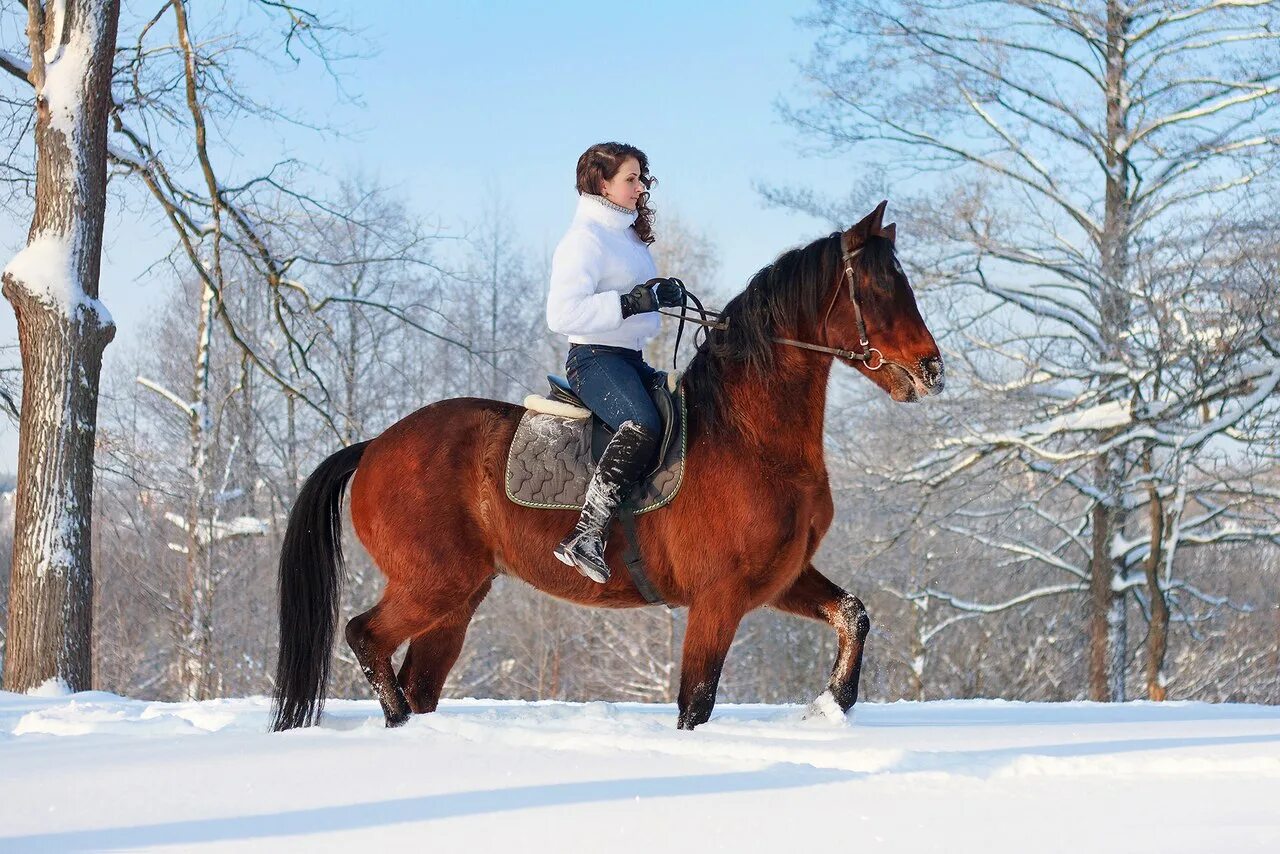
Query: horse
[{"x": 427, "y": 497}]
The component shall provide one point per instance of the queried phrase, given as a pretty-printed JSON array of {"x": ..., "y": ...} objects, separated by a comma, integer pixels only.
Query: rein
[{"x": 866, "y": 354}]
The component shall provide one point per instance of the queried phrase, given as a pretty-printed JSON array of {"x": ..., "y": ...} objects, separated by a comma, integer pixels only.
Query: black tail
[{"x": 311, "y": 572}]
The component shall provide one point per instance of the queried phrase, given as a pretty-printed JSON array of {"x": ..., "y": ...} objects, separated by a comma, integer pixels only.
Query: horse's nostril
[{"x": 932, "y": 371}]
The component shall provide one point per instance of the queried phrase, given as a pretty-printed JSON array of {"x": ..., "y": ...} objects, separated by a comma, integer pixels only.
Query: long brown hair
[{"x": 601, "y": 162}]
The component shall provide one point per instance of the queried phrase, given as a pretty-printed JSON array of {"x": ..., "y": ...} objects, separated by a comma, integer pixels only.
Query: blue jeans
[{"x": 614, "y": 383}]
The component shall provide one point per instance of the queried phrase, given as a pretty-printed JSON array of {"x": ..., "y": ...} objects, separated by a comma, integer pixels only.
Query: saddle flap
[{"x": 550, "y": 462}]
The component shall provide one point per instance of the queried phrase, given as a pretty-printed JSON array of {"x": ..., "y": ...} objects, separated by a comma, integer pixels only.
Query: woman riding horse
[
  {"x": 428, "y": 495},
  {"x": 603, "y": 297}
]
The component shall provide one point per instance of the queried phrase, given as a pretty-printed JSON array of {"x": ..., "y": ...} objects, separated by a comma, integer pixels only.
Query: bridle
[{"x": 865, "y": 354}]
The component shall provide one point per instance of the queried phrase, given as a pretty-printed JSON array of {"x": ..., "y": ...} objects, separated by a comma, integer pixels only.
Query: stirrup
[{"x": 569, "y": 556}]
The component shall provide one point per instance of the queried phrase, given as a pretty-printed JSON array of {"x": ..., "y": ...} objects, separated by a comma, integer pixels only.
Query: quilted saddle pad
[{"x": 549, "y": 464}]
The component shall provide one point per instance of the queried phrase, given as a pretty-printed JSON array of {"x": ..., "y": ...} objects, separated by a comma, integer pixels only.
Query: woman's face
[{"x": 625, "y": 187}]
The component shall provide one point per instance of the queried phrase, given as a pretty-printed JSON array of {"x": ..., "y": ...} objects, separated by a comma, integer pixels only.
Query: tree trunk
[
  {"x": 1158, "y": 636},
  {"x": 1108, "y": 629},
  {"x": 197, "y": 596},
  {"x": 1117, "y": 647},
  {"x": 62, "y": 332},
  {"x": 919, "y": 607}
]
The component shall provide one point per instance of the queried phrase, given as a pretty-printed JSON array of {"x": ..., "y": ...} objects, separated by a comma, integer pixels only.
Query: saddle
[
  {"x": 661, "y": 394},
  {"x": 559, "y": 441}
]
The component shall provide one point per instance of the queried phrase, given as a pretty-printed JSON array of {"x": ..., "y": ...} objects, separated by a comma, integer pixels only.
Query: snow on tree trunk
[
  {"x": 197, "y": 597},
  {"x": 62, "y": 331}
]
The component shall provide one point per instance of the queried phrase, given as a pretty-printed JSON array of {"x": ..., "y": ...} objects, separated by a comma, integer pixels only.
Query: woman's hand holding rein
[
  {"x": 643, "y": 298},
  {"x": 670, "y": 292}
]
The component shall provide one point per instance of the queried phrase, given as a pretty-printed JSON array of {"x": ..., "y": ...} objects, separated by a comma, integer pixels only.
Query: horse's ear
[
  {"x": 869, "y": 225},
  {"x": 877, "y": 216},
  {"x": 890, "y": 231}
]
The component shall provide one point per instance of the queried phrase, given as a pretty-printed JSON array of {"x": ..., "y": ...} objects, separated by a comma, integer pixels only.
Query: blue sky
[
  {"x": 507, "y": 95},
  {"x": 465, "y": 101}
]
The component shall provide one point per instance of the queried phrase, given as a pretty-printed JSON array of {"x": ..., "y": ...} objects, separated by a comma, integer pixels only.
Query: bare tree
[
  {"x": 1103, "y": 156},
  {"x": 201, "y": 522},
  {"x": 62, "y": 331},
  {"x": 495, "y": 302}
]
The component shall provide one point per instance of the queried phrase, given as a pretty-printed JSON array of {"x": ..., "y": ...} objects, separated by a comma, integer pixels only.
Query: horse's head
[{"x": 903, "y": 357}]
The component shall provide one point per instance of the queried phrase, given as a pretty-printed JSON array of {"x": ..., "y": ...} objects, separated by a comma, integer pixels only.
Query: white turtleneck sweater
[{"x": 599, "y": 258}]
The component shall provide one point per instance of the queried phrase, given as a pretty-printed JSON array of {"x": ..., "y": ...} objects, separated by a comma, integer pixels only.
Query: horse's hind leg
[
  {"x": 814, "y": 596},
  {"x": 374, "y": 636},
  {"x": 432, "y": 654}
]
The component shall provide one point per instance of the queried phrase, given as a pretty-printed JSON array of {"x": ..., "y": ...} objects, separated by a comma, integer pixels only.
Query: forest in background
[{"x": 1090, "y": 511}]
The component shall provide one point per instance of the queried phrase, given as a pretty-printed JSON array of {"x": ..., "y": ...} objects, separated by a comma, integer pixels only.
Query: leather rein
[{"x": 866, "y": 354}]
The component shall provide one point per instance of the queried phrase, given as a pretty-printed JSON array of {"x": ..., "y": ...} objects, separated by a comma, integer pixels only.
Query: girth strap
[{"x": 634, "y": 561}]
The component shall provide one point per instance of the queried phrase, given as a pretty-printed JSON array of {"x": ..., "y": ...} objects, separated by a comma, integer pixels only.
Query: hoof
[
  {"x": 689, "y": 720},
  {"x": 826, "y": 708},
  {"x": 396, "y": 718}
]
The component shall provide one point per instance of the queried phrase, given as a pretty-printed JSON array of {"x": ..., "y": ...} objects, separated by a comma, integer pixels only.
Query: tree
[
  {"x": 170, "y": 91},
  {"x": 201, "y": 522},
  {"x": 62, "y": 331},
  {"x": 1098, "y": 161},
  {"x": 496, "y": 303}
]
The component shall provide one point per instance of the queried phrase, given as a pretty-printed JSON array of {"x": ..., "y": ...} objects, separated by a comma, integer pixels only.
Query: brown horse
[{"x": 429, "y": 504}]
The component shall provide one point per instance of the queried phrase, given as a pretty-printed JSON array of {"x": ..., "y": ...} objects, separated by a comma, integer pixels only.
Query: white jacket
[{"x": 599, "y": 258}]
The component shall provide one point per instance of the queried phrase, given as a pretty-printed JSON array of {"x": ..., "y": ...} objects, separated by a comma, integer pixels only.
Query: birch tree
[
  {"x": 62, "y": 331},
  {"x": 201, "y": 521},
  {"x": 1089, "y": 168}
]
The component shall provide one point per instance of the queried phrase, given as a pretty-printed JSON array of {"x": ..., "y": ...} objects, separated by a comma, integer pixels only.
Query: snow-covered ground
[{"x": 94, "y": 771}]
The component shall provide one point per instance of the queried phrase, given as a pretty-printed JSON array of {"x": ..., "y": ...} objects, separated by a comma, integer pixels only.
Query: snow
[
  {"x": 96, "y": 771},
  {"x": 67, "y": 68},
  {"x": 53, "y": 687},
  {"x": 1100, "y": 417},
  {"x": 44, "y": 267},
  {"x": 217, "y": 530}
]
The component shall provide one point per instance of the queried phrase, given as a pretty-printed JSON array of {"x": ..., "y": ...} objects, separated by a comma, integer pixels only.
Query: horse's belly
[{"x": 565, "y": 582}]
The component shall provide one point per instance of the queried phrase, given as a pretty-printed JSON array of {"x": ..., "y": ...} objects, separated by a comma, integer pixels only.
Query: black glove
[
  {"x": 640, "y": 299},
  {"x": 670, "y": 292}
]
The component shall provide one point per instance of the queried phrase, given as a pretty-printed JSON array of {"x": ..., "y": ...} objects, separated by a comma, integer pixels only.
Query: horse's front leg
[
  {"x": 713, "y": 621},
  {"x": 814, "y": 596}
]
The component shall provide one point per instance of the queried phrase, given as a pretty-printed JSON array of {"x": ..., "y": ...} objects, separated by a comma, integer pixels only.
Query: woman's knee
[{"x": 644, "y": 416}]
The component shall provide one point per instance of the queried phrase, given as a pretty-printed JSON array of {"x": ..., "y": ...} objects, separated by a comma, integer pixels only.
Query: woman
[{"x": 604, "y": 296}]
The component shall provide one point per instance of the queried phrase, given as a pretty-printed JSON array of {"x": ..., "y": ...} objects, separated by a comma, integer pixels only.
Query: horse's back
[{"x": 421, "y": 481}]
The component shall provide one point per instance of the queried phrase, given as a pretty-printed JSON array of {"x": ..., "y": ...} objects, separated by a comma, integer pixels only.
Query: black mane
[{"x": 789, "y": 292}]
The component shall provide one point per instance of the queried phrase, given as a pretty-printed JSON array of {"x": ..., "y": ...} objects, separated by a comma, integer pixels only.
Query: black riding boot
[{"x": 625, "y": 460}]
